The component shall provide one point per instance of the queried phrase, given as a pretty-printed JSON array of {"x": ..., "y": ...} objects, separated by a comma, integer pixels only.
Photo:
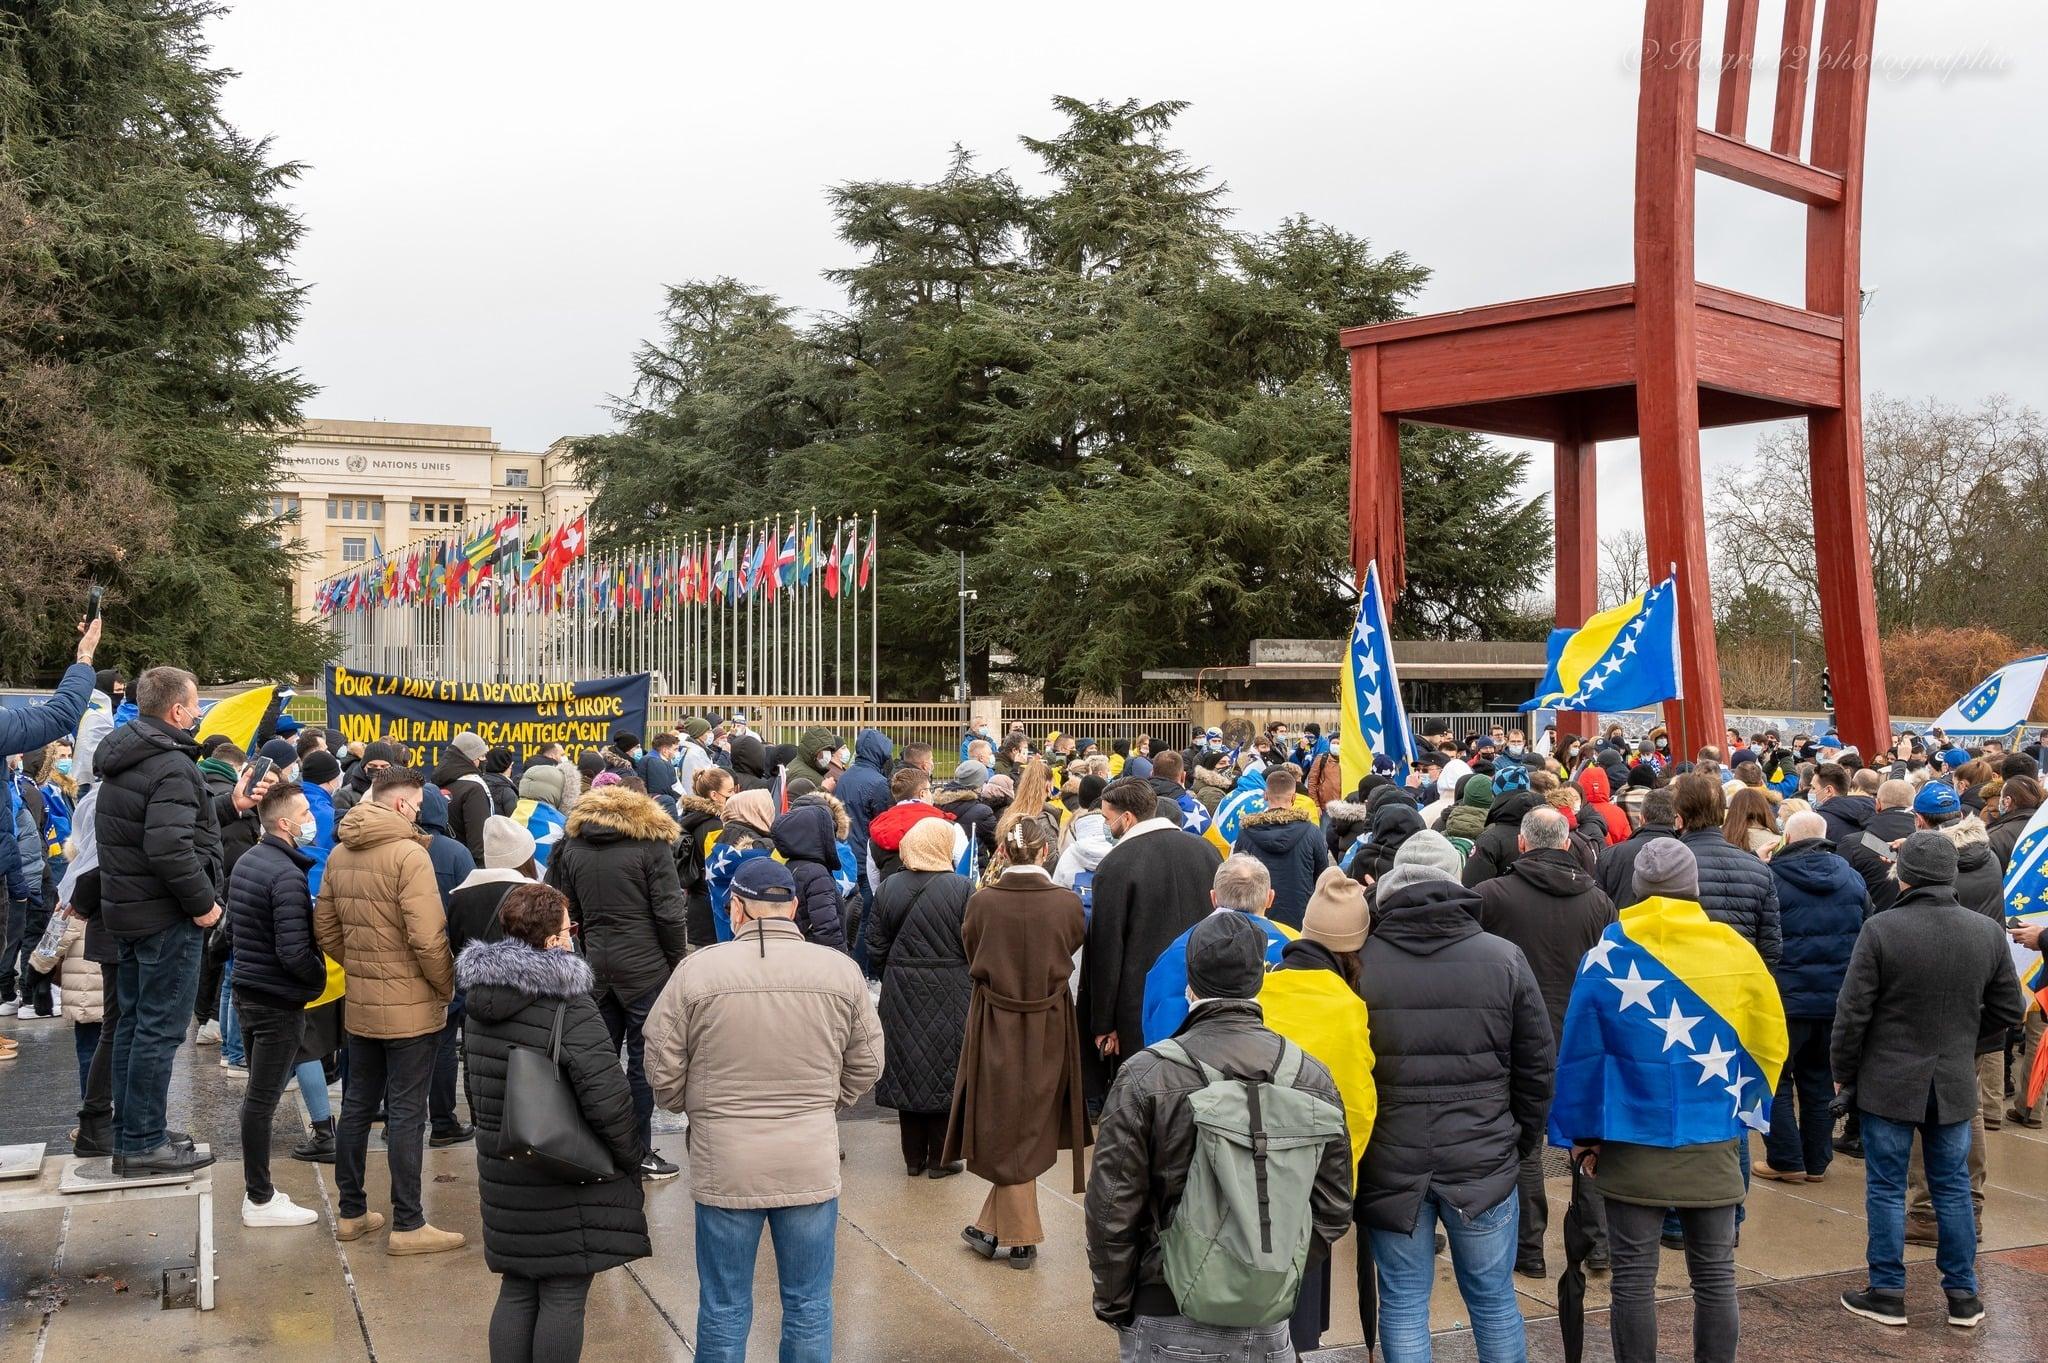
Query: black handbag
[{"x": 543, "y": 1123}]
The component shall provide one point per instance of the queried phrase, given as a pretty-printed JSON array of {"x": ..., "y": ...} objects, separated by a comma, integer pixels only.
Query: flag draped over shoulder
[
  {"x": 1675, "y": 1034},
  {"x": 1374, "y": 720},
  {"x": 1623, "y": 658},
  {"x": 1247, "y": 798},
  {"x": 1316, "y": 1010},
  {"x": 235, "y": 717}
]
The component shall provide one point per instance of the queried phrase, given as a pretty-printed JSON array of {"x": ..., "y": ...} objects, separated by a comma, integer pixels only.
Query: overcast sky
[{"x": 496, "y": 193}]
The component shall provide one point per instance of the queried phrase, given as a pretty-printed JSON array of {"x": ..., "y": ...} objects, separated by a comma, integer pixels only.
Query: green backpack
[{"x": 1239, "y": 1240}]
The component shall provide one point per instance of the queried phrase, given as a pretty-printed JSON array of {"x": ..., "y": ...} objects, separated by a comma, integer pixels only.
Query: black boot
[
  {"x": 95, "y": 1138},
  {"x": 317, "y": 1148}
]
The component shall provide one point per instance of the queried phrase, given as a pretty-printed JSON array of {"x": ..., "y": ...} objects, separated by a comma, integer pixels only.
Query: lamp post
[{"x": 965, "y": 597}]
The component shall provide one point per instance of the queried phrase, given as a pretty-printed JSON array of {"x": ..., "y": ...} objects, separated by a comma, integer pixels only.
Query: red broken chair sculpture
[{"x": 1666, "y": 355}]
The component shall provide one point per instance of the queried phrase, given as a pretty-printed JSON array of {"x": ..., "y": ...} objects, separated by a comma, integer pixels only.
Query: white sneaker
[
  {"x": 209, "y": 1034},
  {"x": 8, "y": 1008},
  {"x": 279, "y": 1211},
  {"x": 235, "y": 1071}
]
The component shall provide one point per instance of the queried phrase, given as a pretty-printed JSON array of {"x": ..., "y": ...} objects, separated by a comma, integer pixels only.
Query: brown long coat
[{"x": 1017, "y": 1100}]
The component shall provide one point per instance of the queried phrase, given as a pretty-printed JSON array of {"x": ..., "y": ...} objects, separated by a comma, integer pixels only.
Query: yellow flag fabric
[
  {"x": 236, "y": 717},
  {"x": 1718, "y": 964},
  {"x": 1318, "y": 1012}
]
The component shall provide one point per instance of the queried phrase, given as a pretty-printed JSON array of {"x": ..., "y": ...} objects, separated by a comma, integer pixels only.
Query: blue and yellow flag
[
  {"x": 1247, "y": 798},
  {"x": 235, "y": 717},
  {"x": 1624, "y": 658},
  {"x": 1374, "y": 722},
  {"x": 1675, "y": 1034}
]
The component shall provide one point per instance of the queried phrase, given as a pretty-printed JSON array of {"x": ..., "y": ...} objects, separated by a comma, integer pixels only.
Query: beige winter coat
[
  {"x": 84, "y": 987},
  {"x": 380, "y": 918},
  {"x": 761, "y": 1040}
]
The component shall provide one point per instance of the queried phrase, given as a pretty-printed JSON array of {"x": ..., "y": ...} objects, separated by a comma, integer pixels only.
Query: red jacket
[
  {"x": 1593, "y": 785},
  {"x": 886, "y": 829}
]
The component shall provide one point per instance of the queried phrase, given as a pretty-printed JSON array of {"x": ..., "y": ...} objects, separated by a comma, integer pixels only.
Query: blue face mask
[{"x": 63, "y": 766}]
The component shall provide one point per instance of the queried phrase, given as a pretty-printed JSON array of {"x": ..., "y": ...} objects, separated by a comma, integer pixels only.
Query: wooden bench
[{"x": 67, "y": 1181}]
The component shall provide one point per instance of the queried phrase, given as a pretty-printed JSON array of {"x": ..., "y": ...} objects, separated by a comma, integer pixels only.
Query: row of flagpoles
[{"x": 768, "y": 607}]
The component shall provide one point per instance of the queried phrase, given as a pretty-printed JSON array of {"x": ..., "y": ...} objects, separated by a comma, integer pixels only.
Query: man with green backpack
[{"x": 1222, "y": 1171}]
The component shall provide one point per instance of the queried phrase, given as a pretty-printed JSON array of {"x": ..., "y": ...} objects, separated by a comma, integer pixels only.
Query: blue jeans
[
  {"x": 805, "y": 1242},
  {"x": 313, "y": 1090},
  {"x": 1482, "y": 1255},
  {"x": 156, "y": 981},
  {"x": 231, "y": 1048},
  {"x": 85, "y": 1039},
  {"x": 1887, "y": 1148}
]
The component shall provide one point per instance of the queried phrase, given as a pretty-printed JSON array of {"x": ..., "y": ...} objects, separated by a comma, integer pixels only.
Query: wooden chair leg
[
  {"x": 1575, "y": 499},
  {"x": 1848, "y": 598}
]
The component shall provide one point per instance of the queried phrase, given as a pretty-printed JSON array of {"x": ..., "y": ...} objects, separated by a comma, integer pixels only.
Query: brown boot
[
  {"x": 1919, "y": 1232},
  {"x": 425, "y": 1240},
  {"x": 356, "y": 1227}
]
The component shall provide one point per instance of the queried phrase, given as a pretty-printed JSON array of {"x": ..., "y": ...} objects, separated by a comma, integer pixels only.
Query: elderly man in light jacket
[{"x": 761, "y": 1040}]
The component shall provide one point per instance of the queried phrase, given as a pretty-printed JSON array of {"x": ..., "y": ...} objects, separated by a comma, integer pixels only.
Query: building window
[
  {"x": 515, "y": 478},
  {"x": 377, "y": 511},
  {"x": 333, "y": 509},
  {"x": 354, "y": 550},
  {"x": 435, "y": 513},
  {"x": 282, "y": 507},
  {"x": 348, "y": 511}
]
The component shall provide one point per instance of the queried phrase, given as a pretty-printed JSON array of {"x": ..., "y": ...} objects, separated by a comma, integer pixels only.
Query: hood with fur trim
[
  {"x": 1967, "y": 832},
  {"x": 697, "y": 804},
  {"x": 1217, "y": 777},
  {"x": 1268, "y": 817},
  {"x": 611, "y": 813},
  {"x": 504, "y": 976},
  {"x": 842, "y": 824}
]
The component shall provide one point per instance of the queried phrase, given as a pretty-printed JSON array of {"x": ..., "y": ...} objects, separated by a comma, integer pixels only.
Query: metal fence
[{"x": 1168, "y": 726}]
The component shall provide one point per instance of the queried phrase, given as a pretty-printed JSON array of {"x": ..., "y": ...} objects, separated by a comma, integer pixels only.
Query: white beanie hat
[{"x": 507, "y": 844}]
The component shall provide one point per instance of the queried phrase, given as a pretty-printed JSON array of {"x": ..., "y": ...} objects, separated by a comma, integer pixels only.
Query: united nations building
[{"x": 358, "y": 487}]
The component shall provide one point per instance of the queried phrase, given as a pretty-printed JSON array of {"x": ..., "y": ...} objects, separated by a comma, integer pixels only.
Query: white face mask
[{"x": 307, "y": 833}]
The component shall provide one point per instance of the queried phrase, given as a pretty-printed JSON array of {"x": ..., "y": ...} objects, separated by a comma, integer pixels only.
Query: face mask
[
  {"x": 1662, "y": 744},
  {"x": 1514, "y": 750},
  {"x": 308, "y": 831},
  {"x": 63, "y": 766}
]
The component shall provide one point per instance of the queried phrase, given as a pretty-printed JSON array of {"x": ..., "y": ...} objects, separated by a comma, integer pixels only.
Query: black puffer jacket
[
  {"x": 1343, "y": 821},
  {"x": 1846, "y": 816},
  {"x": 270, "y": 914},
  {"x": 1146, "y": 1140},
  {"x": 1980, "y": 881},
  {"x": 1616, "y": 870},
  {"x": 616, "y": 864},
  {"x": 469, "y": 801},
  {"x": 915, "y": 944},
  {"x": 1462, "y": 1057},
  {"x": 1290, "y": 846},
  {"x": 1549, "y": 907},
  {"x": 975, "y": 815},
  {"x": 803, "y": 839},
  {"x": 1391, "y": 827},
  {"x": 159, "y": 831},
  {"x": 1495, "y": 849},
  {"x": 534, "y": 1226},
  {"x": 1736, "y": 888}
]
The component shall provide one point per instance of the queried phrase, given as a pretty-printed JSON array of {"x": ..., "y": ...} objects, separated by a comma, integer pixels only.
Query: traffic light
[{"x": 1827, "y": 691}]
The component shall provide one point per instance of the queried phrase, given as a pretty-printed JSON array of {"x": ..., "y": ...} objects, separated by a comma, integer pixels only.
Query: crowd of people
[{"x": 1274, "y": 1008}]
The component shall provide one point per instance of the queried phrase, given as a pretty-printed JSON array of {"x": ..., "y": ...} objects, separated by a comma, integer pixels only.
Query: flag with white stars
[
  {"x": 1375, "y": 721},
  {"x": 1674, "y": 1036},
  {"x": 1998, "y": 704},
  {"x": 2026, "y": 894},
  {"x": 1624, "y": 658}
]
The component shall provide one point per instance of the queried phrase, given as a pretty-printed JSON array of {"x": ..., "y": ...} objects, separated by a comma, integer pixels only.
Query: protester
[
  {"x": 760, "y": 1041},
  {"x": 1927, "y": 979},
  {"x": 496, "y": 769},
  {"x": 814, "y": 749},
  {"x": 1152, "y": 886},
  {"x": 2018, "y": 800},
  {"x": 508, "y": 863},
  {"x": 1873, "y": 849},
  {"x": 1147, "y": 1146},
  {"x": 1311, "y": 998},
  {"x": 1821, "y": 904},
  {"x": 356, "y": 784},
  {"x": 744, "y": 822},
  {"x": 1749, "y": 823},
  {"x": 461, "y": 779},
  {"x": 1615, "y": 869},
  {"x": 1549, "y": 907},
  {"x": 1735, "y": 886},
  {"x": 1844, "y": 812},
  {"x": 544, "y": 1235},
  {"x": 543, "y": 807},
  {"x": 1630, "y": 1104},
  {"x": 804, "y": 839},
  {"x": 1594, "y": 787},
  {"x": 1462, "y": 1097},
  {"x": 658, "y": 770},
  {"x": 161, "y": 885},
  {"x": 1288, "y": 842},
  {"x": 916, "y": 947},
  {"x": 1018, "y": 1098},
  {"x": 1980, "y": 882},
  {"x": 379, "y": 915},
  {"x": 1493, "y": 851},
  {"x": 278, "y": 971},
  {"x": 619, "y": 874}
]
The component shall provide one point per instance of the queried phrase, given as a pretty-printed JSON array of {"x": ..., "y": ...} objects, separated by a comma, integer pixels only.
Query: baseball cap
[
  {"x": 1936, "y": 801},
  {"x": 764, "y": 880},
  {"x": 1954, "y": 757}
]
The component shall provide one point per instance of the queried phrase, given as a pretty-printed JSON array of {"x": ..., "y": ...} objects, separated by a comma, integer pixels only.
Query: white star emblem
[
  {"x": 1373, "y": 703},
  {"x": 1677, "y": 1027},
  {"x": 844, "y": 882},
  {"x": 1713, "y": 1061},
  {"x": 1755, "y": 1119},
  {"x": 1734, "y": 1090},
  {"x": 1635, "y": 990},
  {"x": 1628, "y": 645},
  {"x": 1599, "y": 954},
  {"x": 1364, "y": 631},
  {"x": 1367, "y": 667},
  {"x": 1612, "y": 666}
]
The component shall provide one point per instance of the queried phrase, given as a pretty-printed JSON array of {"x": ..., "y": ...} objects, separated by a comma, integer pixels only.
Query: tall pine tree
[
  {"x": 143, "y": 296},
  {"x": 1132, "y": 418}
]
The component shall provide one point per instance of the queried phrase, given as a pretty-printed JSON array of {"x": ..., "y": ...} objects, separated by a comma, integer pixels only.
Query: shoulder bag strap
[{"x": 555, "y": 1034}]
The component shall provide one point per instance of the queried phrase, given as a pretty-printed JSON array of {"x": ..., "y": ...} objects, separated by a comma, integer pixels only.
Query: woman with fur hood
[
  {"x": 618, "y": 868},
  {"x": 1214, "y": 779},
  {"x": 546, "y": 1237}
]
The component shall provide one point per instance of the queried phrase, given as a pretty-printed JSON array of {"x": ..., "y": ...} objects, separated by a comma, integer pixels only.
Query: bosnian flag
[{"x": 1998, "y": 704}]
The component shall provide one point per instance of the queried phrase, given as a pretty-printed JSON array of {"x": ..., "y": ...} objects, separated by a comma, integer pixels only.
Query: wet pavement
[{"x": 82, "y": 1283}]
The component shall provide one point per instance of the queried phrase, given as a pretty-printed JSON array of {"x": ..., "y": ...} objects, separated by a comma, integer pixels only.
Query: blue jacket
[
  {"x": 452, "y": 861},
  {"x": 1822, "y": 902},
  {"x": 322, "y": 805},
  {"x": 864, "y": 787},
  {"x": 24, "y": 728},
  {"x": 1166, "y": 983}
]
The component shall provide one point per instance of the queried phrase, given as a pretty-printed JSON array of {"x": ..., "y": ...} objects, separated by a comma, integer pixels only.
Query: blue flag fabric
[{"x": 1624, "y": 658}]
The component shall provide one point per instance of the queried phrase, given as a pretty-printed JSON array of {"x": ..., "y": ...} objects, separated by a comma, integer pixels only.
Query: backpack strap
[
  {"x": 1288, "y": 1068},
  {"x": 1170, "y": 1049}
]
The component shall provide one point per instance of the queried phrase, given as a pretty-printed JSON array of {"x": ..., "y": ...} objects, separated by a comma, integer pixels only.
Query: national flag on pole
[
  {"x": 832, "y": 563},
  {"x": 757, "y": 556},
  {"x": 809, "y": 552},
  {"x": 867, "y": 562},
  {"x": 1998, "y": 704},
  {"x": 1375, "y": 723},
  {"x": 771, "y": 567},
  {"x": 849, "y": 564},
  {"x": 1624, "y": 658}
]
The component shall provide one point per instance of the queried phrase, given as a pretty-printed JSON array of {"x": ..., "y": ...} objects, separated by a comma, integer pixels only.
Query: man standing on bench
[{"x": 161, "y": 886}]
